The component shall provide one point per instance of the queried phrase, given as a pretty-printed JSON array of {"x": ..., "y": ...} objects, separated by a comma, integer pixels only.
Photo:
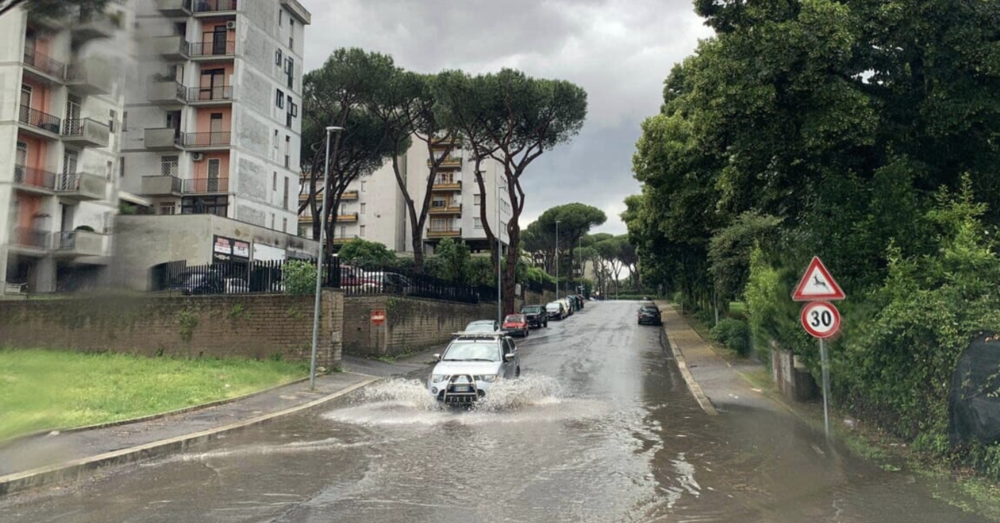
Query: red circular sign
[
  {"x": 378, "y": 317},
  {"x": 821, "y": 319}
]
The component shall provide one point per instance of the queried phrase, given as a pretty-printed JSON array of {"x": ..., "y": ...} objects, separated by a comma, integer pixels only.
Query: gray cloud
[{"x": 618, "y": 50}]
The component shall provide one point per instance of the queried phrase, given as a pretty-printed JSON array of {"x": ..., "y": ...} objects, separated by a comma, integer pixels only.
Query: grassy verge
[{"x": 41, "y": 389}]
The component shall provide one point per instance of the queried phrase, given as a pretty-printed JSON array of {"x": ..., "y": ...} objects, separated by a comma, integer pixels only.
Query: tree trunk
[{"x": 510, "y": 272}]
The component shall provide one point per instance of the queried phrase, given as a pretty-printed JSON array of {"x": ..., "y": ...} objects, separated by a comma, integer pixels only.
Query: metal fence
[{"x": 377, "y": 279}]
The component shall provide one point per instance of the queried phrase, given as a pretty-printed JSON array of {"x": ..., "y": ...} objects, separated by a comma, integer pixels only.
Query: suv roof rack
[{"x": 484, "y": 335}]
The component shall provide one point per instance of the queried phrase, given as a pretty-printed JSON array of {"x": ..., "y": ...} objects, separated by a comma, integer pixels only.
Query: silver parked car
[
  {"x": 472, "y": 363},
  {"x": 482, "y": 326}
]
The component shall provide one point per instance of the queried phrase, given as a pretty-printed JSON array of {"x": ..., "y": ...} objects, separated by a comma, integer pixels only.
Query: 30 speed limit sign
[{"x": 821, "y": 319}]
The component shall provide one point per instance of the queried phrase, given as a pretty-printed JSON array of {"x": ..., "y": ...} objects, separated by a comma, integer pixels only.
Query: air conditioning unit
[
  {"x": 231, "y": 25},
  {"x": 197, "y": 156}
]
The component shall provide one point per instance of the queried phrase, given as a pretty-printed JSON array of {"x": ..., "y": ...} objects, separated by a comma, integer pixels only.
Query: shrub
[
  {"x": 734, "y": 334},
  {"x": 299, "y": 277}
]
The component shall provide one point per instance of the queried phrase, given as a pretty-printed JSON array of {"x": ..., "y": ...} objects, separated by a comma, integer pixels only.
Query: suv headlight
[
  {"x": 438, "y": 377},
  {"x": 488, "y": 378}
]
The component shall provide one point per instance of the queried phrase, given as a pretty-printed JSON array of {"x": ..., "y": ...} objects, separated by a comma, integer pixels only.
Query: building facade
[
  {"x": 213, "y": 121},
  {"x": 373, "y": 207},
  {"x": 60, "y": 134}
]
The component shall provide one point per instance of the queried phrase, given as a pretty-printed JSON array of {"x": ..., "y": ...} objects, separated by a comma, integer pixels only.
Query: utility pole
[
  {"x": 557, "y": 260},
  {"x": 499, "y": 256},
  {"x": 319, "y": 260}
]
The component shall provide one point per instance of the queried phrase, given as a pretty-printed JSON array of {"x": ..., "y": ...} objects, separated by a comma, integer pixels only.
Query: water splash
[{"x": 527, "y": 391}]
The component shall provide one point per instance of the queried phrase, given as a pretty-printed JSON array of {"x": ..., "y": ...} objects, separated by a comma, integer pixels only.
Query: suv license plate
[{"x": 463, "y": 389}]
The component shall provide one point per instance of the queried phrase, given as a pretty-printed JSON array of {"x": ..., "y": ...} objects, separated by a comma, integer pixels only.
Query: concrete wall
[
  {"x": 411, "y": 324},
  {"x": 257, "y": 326}
]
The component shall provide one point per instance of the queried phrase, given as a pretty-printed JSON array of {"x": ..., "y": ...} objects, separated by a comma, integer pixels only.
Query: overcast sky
[{"x": 620, "y": 51}]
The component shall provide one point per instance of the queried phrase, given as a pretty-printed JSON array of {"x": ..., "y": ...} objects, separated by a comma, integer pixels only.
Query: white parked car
[{"x": 472, "y": 363}]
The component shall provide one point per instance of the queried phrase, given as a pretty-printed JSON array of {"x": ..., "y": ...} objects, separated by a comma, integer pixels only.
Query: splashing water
[{"x": 523, "y": 392}]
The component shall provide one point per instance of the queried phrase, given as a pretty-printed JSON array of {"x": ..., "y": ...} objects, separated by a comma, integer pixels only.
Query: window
[
  {"x": 112, "y": 117},
  {"x": 364, "y": 186},
  {"x": 343, "y": 231},
  {"x": 121, "y": 167},
  {"x": 290, "y": 71},
  {"x": 362, "y": 208},
  {"x": 362, "y": 231},
  {"x": 287, "y": 181},
  {"x": 284, "y": 224},
  {"x": 279, "y": 99},
  {"x": 167, "y": 208},
  {"x": 278, "y": 57},
  {"x": 478, "y": 199},
  {"x": 281, "y": 15},
  {"x": 291, "y": 109},
  {"x": 169, "y": 165},
  {"x": 111, "y": 170},
  {"x": 124, "y": 121},
  {"x": 274, "y": 181},
  {"x": 275, "y": 139},
  {"x": 288, "y": 151},
  {"x": 477, "y": 223},
  {"x": 439, "y": 202},
  {"x": 272, "y": 220}
]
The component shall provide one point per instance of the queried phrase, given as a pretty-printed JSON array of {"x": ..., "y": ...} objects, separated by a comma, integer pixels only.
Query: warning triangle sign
[{"x": 817, "y": 284}]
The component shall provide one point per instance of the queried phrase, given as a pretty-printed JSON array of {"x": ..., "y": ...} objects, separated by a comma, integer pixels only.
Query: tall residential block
[
  {"x": 373, "y": 207},
  {"x": 61, "y": 107},
  {"x": 213, "y": 118}
]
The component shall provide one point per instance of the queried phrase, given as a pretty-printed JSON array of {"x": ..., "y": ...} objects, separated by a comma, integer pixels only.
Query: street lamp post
[
  {"x": 557, "y": 260},
  {"x": 319, "y": 259},
  {"x": 499, "y": 257}
]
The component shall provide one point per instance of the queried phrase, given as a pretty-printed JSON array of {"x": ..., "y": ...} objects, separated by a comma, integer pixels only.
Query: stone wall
[
  {"x": 251, "y": 326},
  {"x": 411, "y": 324}
]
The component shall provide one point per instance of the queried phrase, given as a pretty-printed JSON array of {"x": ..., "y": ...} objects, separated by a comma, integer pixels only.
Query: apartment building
[
  {"x": 61, "y": 105},
  {"x": 373, "y": 207},
  {"x": 213, "y": 121}
]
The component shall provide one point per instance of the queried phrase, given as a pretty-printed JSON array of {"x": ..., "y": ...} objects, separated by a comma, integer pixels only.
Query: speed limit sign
[{"x": 821, "y": 319}]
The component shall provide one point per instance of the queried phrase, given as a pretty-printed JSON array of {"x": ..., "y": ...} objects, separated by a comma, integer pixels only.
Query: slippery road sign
[{"x": 817, "y": 284}]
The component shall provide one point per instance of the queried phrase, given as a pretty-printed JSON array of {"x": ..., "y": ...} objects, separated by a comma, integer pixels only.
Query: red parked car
[{"x": 516, "y": 324}]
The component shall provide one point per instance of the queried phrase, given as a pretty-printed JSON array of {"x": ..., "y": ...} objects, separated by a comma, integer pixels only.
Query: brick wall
[
  {"x": 411, "y": 324},
  {"x": 253, "y": 326}
]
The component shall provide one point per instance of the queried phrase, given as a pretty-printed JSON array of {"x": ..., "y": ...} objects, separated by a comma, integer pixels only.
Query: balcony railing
[
  {"x": 174, "y": 7},
  {"x": 45, "y": 64},
  {"x": 161, "y": 184},
  {"x": 35, "y": 118},
  {"x": 28, "y": 237},
  {"x": 209, "y": 94},
  {"x": 86, "y": 131},
  {"x": 82, "y": 186},
  {"x": 205, "y": 186},
  {"x": 447, "y": 185},
  {"x": 32, "y": 177},
  {"x": 214, "y": 139},
  {"x": 449, "y": 209},
  {"x": 213, "y": 6},
  {"x": 347, "y": 218},
  {"x": 202, "y": 49},
  {"x": 171, "y": 47},
  {"x": 444, "y": 232}
]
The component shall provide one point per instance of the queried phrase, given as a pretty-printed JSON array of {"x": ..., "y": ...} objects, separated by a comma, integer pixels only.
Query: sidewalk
[
  {"x": 43, "y": 459},
  {"x": 719, "y": 380}
]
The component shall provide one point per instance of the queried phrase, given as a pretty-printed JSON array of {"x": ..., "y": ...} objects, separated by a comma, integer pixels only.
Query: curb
[
  {"x": 150, "y": 417},
  {"x": 693, "y": 386},
  {"x": 75, "y": 469}
]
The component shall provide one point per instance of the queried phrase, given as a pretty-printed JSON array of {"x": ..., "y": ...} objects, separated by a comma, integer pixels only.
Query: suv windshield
[
  {"x": 531, "y": 309},
  {"x": 471, "y": 351}
]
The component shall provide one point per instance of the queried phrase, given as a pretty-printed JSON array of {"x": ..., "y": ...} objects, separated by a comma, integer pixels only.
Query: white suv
[{"x": 472, "y": 363}]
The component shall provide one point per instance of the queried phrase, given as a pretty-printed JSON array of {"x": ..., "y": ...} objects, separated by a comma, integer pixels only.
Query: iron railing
[
  {"x": 199, "y": 49},
  {"x": 234, "y": 277},
  {"x": 67, "y": 182},
  {"x": 78, "y": 126},
  {"x": 33, "y": 177},
  {"x": 36, "y": 118},
  {"x": 205, "y": 185},
  {"x": 207, "y": 139},
  {"x": 403, "y": 281},
  {"x": 45, "y": 64},
  {"x": 209, "y": 94},
  {"x": 209, "y": 6}
]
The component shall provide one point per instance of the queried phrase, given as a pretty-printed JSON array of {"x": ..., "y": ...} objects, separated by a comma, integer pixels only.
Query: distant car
[
  {"x": 470, "y": 365},
  {"x": 582, "y": 300},
  {"x": 483, "y": 326},
  {"x": 650, "y": 314},
  {"x": 556, "y": 310},
  {"x": 516, "y": 325},
  {"x": 387, "y": 282},
  {"x": 197, "y": 283},
  {"x": 567, "y": 306},
  {"x": 536, "y": 315},
  {"x": 237, "y": 286}
]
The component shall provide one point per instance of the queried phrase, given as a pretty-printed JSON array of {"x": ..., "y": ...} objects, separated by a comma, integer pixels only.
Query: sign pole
[{"x": 826, "y": 385}]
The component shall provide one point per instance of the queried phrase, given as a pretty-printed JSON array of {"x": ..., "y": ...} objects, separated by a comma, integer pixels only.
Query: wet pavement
[{"x": 600, "y": 428}]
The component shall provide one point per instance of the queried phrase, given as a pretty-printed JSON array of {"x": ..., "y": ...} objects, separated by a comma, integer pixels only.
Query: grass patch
[{"x": 42, "y": 389}]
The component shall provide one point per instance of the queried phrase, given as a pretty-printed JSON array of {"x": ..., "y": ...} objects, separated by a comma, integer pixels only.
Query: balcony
[
  {"x": 207, "y": 141},
  {"x": 447, "y": 186},
  {"x": 348, "y": 196},
  {"x": 86, "y": 132},
  {"x": 449, "y": 232},
  {"x": 451, "y": 162},
  {"x": 43, "y": 68},
  {"x": 41, "y": 124},
  {"x": 205, "y": 186},
  {"x": 32, "y": 239},
  {"x": 30, "y": 179},
  {"x": 173, "y": 48},
  {"x": 163, "y": 139},
  {"x": 340, "y": 240},
  {"x": 82, "y": 243},
  {"x": 350, "y": 217},
  {"x": 82, "y": 187},
  {"x": 166, "y": 92},
  {"x": 94, "y": 25},
  {"x": 161, "y": 185},
  {"x": 92, "y": 76},
  {"x": 214, "y": 7},
  {"x": 212, "y": 50},
  {"x": 210, "y": 95},
  {"x": 450, "y": 209},
  {"x": 174, "y": 7}
]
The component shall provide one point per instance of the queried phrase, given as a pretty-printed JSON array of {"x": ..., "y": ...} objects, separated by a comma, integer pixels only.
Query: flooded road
[{"x": 600, "y": 428}]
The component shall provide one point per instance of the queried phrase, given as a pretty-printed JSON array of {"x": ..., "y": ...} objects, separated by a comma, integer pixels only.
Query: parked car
[
  {"x": 583, "y": 300},
  {"x": 237, "y": 286},
  {"x": 482, "y": 326},
  {"x": 470, "y": 365},
  {"x": 196, "y": 283},
  {"x": 567, "y": 306},
  {"x": 516, "y": 325},
  {"x": 387, "y": 283},
  {"x": 536, "y": 315},
  {"x": 556, "y": 310},
  {"x": 650, "y": 314}
]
